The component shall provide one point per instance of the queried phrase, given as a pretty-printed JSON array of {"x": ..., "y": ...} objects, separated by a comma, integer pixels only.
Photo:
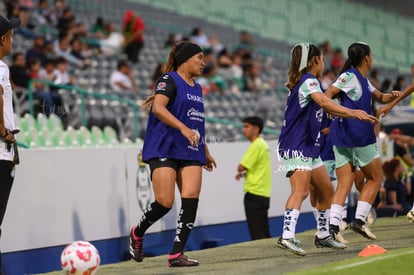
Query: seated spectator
[
  {"x": 237, "y": 73},
  {"x": 337, "y": 61},
  {"x": 80, "y": 50},
  {"x": 251, "y": 77},
  {"x": 37, "y": 51},
  {"x": 385, "y": 86},
  {"x": 66, "y": 21},
  {"x": 122, "y": 79},
  {"x": 111, "y": 44},
  {"x": 18, "y": 72},
  {"x": 199, "y": 37},
  {"x": 47, "y": 72},
  {"x": 328, "y": 77},
  {"x": 245, "y": 45},
  {"x": 397, "y": 185},
  {"x": 62, "y": 48},
  {"x": 49, "y": 100},
  {"x": 42, "y": 14},
  {"x": 99, "y": 29},
  {"x": 210, "y": 81},
  {"x": 215, "y": 44},
  {"x": 157, "y": 73},
  {"x": 62, "y": 76},
  {"x": 172, "y": 39}
]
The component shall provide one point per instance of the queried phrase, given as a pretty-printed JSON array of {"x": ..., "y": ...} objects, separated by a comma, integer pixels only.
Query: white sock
[
  {"x": 315, "y": 214},
  {"x": 362, "y": 210},
  {"x": 322, "y": 226},
  {"x": 289, "y": 223},
  {"x": 335, "y": 217}
]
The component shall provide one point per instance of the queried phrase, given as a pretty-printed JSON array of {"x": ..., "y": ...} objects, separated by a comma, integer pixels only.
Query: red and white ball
[{"x": 80, "y": 258}]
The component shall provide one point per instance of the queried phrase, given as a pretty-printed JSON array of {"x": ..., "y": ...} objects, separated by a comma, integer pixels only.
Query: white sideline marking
[{"x": 372, "y": 260}]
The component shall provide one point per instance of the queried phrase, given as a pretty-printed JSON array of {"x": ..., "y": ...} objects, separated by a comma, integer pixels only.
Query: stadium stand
[{"x": 275, "y": 26}]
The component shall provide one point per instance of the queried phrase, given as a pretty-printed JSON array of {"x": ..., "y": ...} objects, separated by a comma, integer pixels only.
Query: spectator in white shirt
[{"x": 122, "y": 79}]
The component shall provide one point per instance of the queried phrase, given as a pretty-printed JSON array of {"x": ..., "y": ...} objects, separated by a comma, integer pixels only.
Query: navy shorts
[{"x": 175, "y": 164}]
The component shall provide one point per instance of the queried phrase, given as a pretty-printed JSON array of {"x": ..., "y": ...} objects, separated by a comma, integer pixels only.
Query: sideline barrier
[{"x": 97, "y": 194}]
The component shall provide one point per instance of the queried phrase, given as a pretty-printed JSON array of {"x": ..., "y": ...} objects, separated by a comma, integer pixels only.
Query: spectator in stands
[
  {"x": 251, "y": 77},
  {"x": 18, "y": 71},
  {"x": 81, "y": 51},
  {"x": 66, "y": 21},
  {"x": 337, "y": 61},
  {"x": 49, "y": 100},
  {"x": 399, "y": 83},
  {"x": 328, "y": 77},
  {"x": 112, "y": 43},
  {"x": 199, "y": 37},
  {"x": 133, "y": 31},
  {"x": 122, "y": 79},
  {"x": 37, "y": 50},
  {"x": 224, "y": 63},
  {"x": 398, "y": 187},
  {"x": 47, "y": 72},
  {"x": 42, "y": 13},
  {"x": 215, "y": 44},
  {"x": 62, "y": 73},
  {"x": 237, "y": 73},
  {"x": 157, "y": 73},
  {"x": 326, "y": 48},
  {"x": 210, "y": 81},
  {"x": 255, "y": 167},
  {"x": 172, "y": 39},
  {"x": 62, "y": 49},
  {"x": 246, "y": 44},
  {"x": 386, "y": 85},
  {"x": 175, "y": 150},
  {"x": 26, "y": 27},
  {"x": 99, "y": 28},
  {"x": 374, "y": 78}
]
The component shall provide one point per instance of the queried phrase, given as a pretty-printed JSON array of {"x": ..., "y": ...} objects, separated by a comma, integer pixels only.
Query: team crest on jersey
[
  {"x": 342, "y": 80},
  {"x": 313, "y": 84},
  {"x": 161, "y": 86}
]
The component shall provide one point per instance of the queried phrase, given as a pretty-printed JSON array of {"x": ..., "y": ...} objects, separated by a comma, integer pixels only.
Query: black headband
[{"x": 184, "y": 51}]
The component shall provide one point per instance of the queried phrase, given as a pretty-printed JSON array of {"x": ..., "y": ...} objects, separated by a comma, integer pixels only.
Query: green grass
[
  {"x": 396, "y": 235},
  {"x": 399, "y": 261}
]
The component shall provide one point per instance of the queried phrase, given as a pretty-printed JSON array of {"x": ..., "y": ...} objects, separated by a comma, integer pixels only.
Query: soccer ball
[
  {"x": 410, "y": 216},
  {"x": 80, "y": 258}
]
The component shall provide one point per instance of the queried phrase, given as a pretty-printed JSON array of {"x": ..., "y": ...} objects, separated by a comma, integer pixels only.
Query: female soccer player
[
  {"x": 299, "y": 144},
  {"x": 354, "y": 140},
  {"x": 175, "y": 149}
]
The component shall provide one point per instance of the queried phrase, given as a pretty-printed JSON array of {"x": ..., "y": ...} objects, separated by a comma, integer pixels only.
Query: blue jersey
[
  {"x": 327, "y": 152},
  {"x": 163, "y": 141},
  {"x": 356, "y": 93},
  {"x": 300, "y": 133}
]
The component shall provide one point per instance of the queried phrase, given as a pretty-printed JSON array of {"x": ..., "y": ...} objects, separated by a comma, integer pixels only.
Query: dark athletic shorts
[{"x": 175, "y": 164}]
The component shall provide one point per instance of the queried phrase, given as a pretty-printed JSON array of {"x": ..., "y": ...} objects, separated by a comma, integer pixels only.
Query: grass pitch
[{"x": 396, "y": 235}]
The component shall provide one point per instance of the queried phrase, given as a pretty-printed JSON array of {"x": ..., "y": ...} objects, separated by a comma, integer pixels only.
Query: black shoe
[
  {"x": 176, "y": 260},
  {"x": 136, "y": 246},
  {"x": 363, "y": 230}
]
